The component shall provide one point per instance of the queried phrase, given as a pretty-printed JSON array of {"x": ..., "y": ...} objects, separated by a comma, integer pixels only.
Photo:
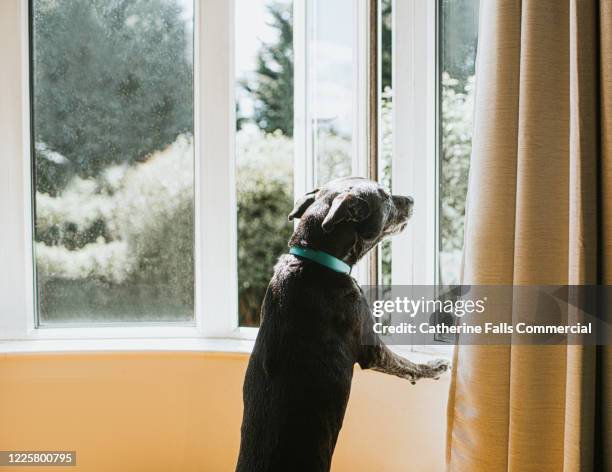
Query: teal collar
[{"x": 322, "y": 258}]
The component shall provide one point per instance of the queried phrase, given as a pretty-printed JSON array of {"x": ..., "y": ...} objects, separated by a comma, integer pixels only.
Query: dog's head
[{"x": 348, "y": 216}]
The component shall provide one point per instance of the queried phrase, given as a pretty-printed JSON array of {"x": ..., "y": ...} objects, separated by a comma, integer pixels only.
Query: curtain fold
[{"x": 539, "y": 212}]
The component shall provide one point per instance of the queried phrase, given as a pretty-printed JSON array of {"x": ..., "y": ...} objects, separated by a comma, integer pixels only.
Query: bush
[
  {"x": 457, "y": 111},
  {"x": 265, "y": 198},
  {"x": 129, "y": 231},
  {"x": 133, "y": 226}
]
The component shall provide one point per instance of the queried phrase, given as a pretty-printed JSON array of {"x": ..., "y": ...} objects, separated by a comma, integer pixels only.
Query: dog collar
[{"x": 322, "y": 258}]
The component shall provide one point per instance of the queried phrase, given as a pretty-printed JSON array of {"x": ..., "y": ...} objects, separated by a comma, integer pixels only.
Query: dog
[{"x": 313, "y": 321}]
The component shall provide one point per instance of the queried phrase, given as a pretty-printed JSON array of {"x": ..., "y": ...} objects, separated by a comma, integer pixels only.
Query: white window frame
[
  {"x": 215, "y": 312},
  {"x": 215, "y": 326},
  {"x": 415, "y": 157},
  {"x": 415, "y": 148}
]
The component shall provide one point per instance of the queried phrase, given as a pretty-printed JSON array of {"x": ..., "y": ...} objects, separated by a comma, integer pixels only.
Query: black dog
[{"x": 299, "y": 375}]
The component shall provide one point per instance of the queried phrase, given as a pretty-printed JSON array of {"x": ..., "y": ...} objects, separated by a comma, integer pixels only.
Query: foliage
[
  {"x": 385, "y": 157},
  {"x": 265, "y": 198},
  {"x": 130, "y": 227},
  {"x": 112, "y": 83},
  {"x": 133, "y": 225},
  {"x": 114, "y": 166},
  {"x": 272, "y": 84},
  {"x": 456, "y": 140},
  {"x": 455, "y": 155}
]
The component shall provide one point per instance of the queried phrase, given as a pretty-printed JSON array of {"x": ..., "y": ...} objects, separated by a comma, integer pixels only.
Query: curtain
[{"x": 539, "y": 211}]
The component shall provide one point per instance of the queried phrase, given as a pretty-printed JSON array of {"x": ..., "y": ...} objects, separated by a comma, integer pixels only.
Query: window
[
  {"x": 270, "y": 161},
  {"x": 113, "y": 173},
  {"x": 458, "y": 37},
  {"x": 385, "y": 122},
  {"x": 425, "y": 119},
  {"x": 433, "y": 75},
  {"x": 166, "y": 140},
  {"x": 264, "y": 145},
  {"x": 332, "y": 66}
]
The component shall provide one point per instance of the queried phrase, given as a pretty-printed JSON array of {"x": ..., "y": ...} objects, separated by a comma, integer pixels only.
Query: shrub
[
  {"x": 265, "y": 198},
  {"x": 457, "y": 111},
  {"x": 130, "y": 227}
]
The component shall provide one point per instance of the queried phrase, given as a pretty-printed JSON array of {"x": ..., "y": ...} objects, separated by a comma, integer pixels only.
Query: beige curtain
[{"x": 539, "y": 212}]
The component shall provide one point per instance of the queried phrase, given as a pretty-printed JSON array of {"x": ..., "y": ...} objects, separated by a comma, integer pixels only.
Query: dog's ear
[
  {"x": 345, "y": 207},
  {"x": 302, "y": 204}
]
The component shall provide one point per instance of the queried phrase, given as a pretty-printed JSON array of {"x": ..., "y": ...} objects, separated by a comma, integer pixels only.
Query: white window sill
[
  {"x": 424, "y": 353},
  {"x": 180, "y": 344},
  {"x": 33, "y": 346}
]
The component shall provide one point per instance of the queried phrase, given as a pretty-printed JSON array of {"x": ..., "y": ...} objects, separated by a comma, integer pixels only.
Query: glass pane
[
  {"x": 331, "y": 72},
  {"x": 385, "y": 126},
  {"x": 264, "y": 145},
  {"x": 113, "y": 152},
  {"x": 458, "y": 26}
]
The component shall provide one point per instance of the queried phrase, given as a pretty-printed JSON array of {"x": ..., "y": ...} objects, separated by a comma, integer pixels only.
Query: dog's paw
[
  {"x": 437, "y": 367},
  {"x": 431, "y": 370}
]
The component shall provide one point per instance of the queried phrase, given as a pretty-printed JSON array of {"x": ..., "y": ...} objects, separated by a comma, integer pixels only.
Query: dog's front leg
[{"x": 380, "y": 358}]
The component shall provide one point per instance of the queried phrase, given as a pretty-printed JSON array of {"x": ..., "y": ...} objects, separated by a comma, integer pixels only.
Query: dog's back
[{"x": 299, "y": 375}]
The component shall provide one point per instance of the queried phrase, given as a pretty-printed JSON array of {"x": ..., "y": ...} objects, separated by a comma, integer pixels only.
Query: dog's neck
[{"x": 341, "y": 243}]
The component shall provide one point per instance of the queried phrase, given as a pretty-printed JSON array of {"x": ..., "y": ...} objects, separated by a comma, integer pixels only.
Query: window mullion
[
  {"x": 216, "y": 282},
  {"x": 16, "y": 287},
  {"x": 361, "y": 106},
  {"x": 414, "y": 138}
]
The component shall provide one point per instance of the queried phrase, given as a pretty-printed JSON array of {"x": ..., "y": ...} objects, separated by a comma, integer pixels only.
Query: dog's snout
[
  {"x": 402, "y": 202},
  {"x": 403, "y": 207}
]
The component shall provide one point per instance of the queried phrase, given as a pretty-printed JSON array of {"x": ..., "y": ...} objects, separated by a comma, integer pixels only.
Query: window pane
[
  {"x": 385, "y": 126},
  {"x": 331, "y": 73},
  {"x": 113, "y": 153},
  {"x": 458, "y": 26},
  {"x": 264, "y": 145}
]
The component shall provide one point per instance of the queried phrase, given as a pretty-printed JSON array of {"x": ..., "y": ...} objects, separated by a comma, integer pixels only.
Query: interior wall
[{"x": 181, "y": 411}]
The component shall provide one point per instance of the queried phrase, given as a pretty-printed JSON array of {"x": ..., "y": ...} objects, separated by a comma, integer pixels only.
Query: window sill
[
  {"x": 34, "y": 346},
  {"x": 422, "y": 354},
  {"x": 242, "y": 345}
]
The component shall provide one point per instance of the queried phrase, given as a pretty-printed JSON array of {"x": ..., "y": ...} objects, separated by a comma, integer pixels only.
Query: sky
[{"x": 250, "y": 30}]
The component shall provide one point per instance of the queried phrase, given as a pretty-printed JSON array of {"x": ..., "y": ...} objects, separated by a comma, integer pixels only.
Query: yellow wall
[{"x": 181, "y": 412}]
